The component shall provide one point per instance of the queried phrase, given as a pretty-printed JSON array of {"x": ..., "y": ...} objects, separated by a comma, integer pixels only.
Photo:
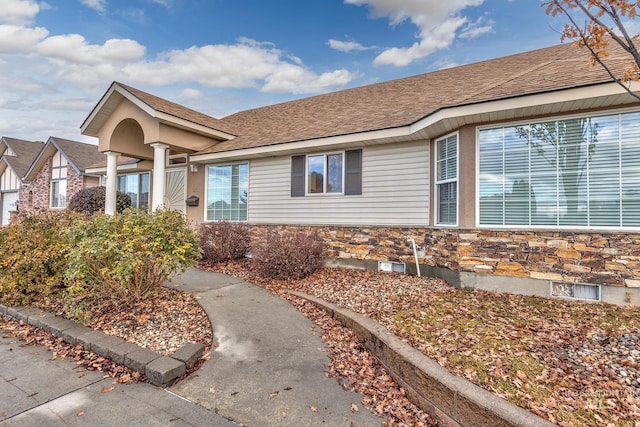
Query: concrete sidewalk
[
  {"x": 38, "y": 391},
  {"x": 269, "y": 368}
]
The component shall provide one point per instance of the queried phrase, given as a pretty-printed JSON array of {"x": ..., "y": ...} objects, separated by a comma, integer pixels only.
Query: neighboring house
[
  {"x": 520, "y": 173},
  {"x": 16, "y": 156},
  {"x": 57, "y": 173}
]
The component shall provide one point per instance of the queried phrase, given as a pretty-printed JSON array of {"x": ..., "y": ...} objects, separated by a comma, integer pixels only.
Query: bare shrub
[
  {"x": 224, "y": 241},
  {"x": 290, "y": 254}
]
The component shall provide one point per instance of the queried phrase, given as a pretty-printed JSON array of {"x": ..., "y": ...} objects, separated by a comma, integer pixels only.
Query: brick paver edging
[
  {"x": 157, "y": 369},
  {"x": 452, "y": 400}
]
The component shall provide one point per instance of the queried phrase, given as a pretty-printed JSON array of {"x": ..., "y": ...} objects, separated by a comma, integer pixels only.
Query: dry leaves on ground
[
  {"x": 61, "y": 350},
  {"x": 163, "y": 323},
  {"x": 573, "y": 363}
]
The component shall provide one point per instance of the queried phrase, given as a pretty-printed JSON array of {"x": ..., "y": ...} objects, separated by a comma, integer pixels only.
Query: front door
[
  {"x": 175, "y": 190},
  {"x": 9, "y": 203}
]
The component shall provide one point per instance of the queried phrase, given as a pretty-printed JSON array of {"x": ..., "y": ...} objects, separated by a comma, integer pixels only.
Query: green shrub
[
  {"x": 125, "y": 258},
  {"x": 289, "y": 254},
  {"x": 224, "y": 241},
  {"x": 91, "y": 201},
  {"x": 33, "y": 256}
]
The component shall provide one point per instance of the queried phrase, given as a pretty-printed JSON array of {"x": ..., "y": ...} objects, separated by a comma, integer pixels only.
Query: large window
[
  {"x": 136, "y": 185},
  {"x": 576, "y": 172},
  {"x": 331, "y": 173},
  {"x": 447, "y": 180},
  {"x": 58, "y": 197},
  {"x": 227, "y": 192}
]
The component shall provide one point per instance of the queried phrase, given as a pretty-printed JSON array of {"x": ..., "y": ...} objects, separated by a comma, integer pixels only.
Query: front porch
[{"x": 134, "y": 124}]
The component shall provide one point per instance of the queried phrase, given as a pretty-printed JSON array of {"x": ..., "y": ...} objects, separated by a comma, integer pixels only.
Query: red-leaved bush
[
  {"x": 294, "y": 254},
  {"x": 224, "y": 241}
]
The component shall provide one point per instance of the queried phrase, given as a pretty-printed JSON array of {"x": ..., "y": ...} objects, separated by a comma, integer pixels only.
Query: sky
[{"x": 58, "y": 57}]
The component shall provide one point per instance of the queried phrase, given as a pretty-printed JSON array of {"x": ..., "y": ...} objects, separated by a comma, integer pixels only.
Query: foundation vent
[
  {"x": 581, "y": 291},
  {"x": 389, "y": 266}
]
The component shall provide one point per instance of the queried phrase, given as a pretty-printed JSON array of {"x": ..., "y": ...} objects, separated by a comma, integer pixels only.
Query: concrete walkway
[
  {"x": 269, "y": 368},
  {"x": 36, "y": 390}
]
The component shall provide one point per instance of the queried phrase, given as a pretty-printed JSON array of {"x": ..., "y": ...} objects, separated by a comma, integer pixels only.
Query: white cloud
[
  {"x": 16, "y": 39},
  {"x": 298, "y": 80},
  {"x": 245, "y": 64},
  {"x": 74, "y": 48},
  {"x": 60, "y": 76},
  {"x": 475, "y": 29},
  {"x": 190, "y": 94},
  {"x": 346, "y": 46},
  {"x": 165, "y": 3},
  {"x": 98, "y": 5},
  {"x": 18, "y": 12},
  {"x": 439, "y": 23}
]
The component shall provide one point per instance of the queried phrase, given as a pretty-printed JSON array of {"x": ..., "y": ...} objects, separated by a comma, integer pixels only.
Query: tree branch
[{"x": 585, "y": 42}]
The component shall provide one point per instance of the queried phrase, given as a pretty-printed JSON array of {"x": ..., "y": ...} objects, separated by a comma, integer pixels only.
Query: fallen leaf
[
  {"x": 314, "y": 409},
  {"x": 273, "y": 394},
  {"x": 212, "y": 390},
  {"x": 354, "y": 407},
  {"x": 107, "y": 389},
  {"x": 80, "y": 413}
]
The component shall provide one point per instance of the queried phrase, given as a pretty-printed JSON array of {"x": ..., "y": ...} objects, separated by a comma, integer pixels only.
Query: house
[
  {"x": 57, "y": 172},
  {"x": 133, "y": 178},
  {"x": 16, "y": 156},
  {"x": 520, "y": 173}
]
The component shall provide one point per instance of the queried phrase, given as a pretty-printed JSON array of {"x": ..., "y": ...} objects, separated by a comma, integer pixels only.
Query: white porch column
[
  {"x": 112, "y": 183},
  {"x": 159, "y": 154}
]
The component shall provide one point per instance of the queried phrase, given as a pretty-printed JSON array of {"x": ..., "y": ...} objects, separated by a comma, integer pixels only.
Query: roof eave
[
  {"x": 116, "y": 93},
  {"x": 448, "y": 119}
]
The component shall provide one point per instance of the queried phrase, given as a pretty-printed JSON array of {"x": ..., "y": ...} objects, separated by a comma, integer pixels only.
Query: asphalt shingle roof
[
  {"x": 401, "y": 102},
  {"x": 177, "y": 110},
  {"x": 25, "y": 154},
  {"x": 82, "y": 155},
  {"x": 404, "y": 101}
]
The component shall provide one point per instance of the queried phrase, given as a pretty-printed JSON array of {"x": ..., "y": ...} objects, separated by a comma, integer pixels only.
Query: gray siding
[{"x": 395, "y": 191}]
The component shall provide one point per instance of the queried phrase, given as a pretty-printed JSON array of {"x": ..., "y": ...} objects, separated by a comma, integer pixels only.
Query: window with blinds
[
  {"x": 227, "y": 192},
  {"x": 576, "y": 172},
  {"x": 447, "y": 180}
]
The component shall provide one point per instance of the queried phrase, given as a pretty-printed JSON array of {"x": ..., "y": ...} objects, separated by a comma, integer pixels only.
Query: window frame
[
  {"x": 351, "y": 174},
  {"x": 325, "y": 178},
  {"x": 206, "y": 190},
  {"x": 138, "y": 190},
  {"x": 556, "y": 118},
  {"x": 59, "y": 175},
  {"x": 60, "y": 182},
  {"x": 438, "y": 182}
]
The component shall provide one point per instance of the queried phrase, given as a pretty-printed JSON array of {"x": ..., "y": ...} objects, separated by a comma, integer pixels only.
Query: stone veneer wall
[{"x": 610, "y": 258}]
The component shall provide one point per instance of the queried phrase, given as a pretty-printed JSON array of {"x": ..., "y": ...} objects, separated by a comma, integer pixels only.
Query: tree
[{"x": 604, "y": 25}]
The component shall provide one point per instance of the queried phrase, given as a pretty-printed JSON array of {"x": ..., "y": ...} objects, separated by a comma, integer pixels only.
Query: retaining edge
[
  {"x": 159, "y": 374},
  {"x": 451, "y": 400}
]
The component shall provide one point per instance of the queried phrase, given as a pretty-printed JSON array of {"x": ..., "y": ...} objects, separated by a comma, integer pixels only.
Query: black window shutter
[
  {"x": 297, "y": 176},
  {"x": 353, "y": 173}
]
